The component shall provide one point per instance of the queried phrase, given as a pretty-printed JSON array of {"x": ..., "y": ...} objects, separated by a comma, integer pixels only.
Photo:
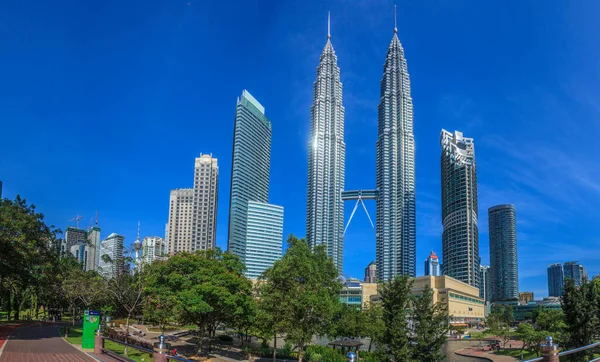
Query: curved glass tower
[
  {"x": 396, "y": 205},
  {"x": 460, "y": 240},
  {"x": 326, "y": 160},
  {"x": 504, "y": 273}
]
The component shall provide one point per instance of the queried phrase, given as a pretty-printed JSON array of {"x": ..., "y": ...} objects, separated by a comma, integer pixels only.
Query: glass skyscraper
[
  {"x": 485, "y": 289},
  {"x": 326, "y": 160},
  {"x": 460, "y": 239},
  {"x": 250, "y": 173},
  {"x": 264, "y": 234},
  {"x": 555, "y": 280},
  {"x": 396, "y": 204},
  {"x": 504, "y": 272},
  {"x": 112, "y": 247},
  {"x": 575, "y": 271},
  {"x": 432, "y": 265}
]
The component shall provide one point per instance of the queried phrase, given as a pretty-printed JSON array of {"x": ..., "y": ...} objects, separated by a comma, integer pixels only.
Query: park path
[{"x": 40, "y": 342}]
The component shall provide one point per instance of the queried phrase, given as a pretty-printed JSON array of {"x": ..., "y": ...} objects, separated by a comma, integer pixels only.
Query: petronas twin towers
[{"x": 395, "y": 180}]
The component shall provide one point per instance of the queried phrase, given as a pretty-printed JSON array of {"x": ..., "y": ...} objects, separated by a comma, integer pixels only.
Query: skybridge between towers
[{"x": 359, "y": 196}]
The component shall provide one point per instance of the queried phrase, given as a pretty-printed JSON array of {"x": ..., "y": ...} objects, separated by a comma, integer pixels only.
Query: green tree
[
  {"x": 551, "y": 320},
  {"x": 84, "y": 289},
  {"x": 306, "y": 285},
  {"x": 374, "y": 327},
  {"x": 207, "y": 287},
  {"x": 159, "y": 299},
  {"x": 430, "y": 326},
  {"x": 581, "y": 315},
  {"x": 348, "y": 321},
  {"x": 395, "y": 301},
  {"x": 26, "y": 251},
  {"x": 530, "y": 337}
]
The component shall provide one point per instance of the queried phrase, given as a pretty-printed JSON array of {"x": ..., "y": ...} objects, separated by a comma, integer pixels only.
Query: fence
[
  {"x": 160, "y": 352},
  {"x": 549, "y": 352}
]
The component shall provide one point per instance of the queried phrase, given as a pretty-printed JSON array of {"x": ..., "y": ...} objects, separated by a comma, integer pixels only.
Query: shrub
[{"x": 323, "y": 354}]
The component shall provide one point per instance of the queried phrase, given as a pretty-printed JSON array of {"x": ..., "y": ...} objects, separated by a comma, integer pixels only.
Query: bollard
[
  {"x": 161, "y": 350},
  {"x": 66, "y": 332},
  {"x": 98, "y": 342},
  {"x": 351, "y": 357},
  {"x": 549, "y": 351}
]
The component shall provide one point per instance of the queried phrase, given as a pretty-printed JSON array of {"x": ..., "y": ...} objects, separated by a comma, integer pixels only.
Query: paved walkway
[
  {"x": 5, "y": 330},
  {"x": 484, "y": 355},
  {"x": 40, "y": 342}
]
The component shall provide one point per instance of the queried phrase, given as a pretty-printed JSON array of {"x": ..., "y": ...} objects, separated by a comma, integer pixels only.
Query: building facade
[
  {"x": 462, "y": 300},
  {"x": 264, "y": 236},
  {"x": 73, "y": 236},
  {"x": 432, "y": 265},
  {"x": 525, "y": 297},
  {"x": 460, "y": 239},
  {"x": 154, "y": 248},
  {"x": 396, "y": 204},
  {"x": 192, "y": 221},
  {"x": 93, "y": 245},
  {"x": 555, "y": 280},
  {"x": 575, "y": 271},
  {"x": 326, "y": 160},
  {"x": 255, "y": 227},
  {"x": 504, "y": 268},
  {"x": 111, "y": 256},
  {"x": 371, "y": 273},
  {"x": 485, "y": 289}
]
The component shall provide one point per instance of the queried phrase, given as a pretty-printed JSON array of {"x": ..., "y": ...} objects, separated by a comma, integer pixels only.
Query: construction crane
[{"x": 76, "y": 219}]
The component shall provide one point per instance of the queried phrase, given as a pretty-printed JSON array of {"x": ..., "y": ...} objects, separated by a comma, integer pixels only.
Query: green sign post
[{"x": 91, "y": 321}]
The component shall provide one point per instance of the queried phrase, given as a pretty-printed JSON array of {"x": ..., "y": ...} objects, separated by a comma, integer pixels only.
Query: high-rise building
[
  {"x": 192, "y": 222},
  {"x": 575, "y": 271},
  {"x": 0, "y": 189},
  {"x": 326, "y": 160},
  {"x": 264, "y": 236},
  {"x": 432, "y": 265},
  {"x": 504, "y": 271},
  {"x": 525, "y": 297},
  {"x": 154, "y": 248},
  {"x": 555, "y": 280},
  {"x": 93, "y": 245},
  {"x": 74, "y": 236},
  {"x": 371, "y": 273},
  {"x": 460, "y": 240},
  {"x": 111, "y": 256},
  {"x": 485, "y": 289},
  {"x": 255, "y": 226},
  {"x": 396, "y": 204}
]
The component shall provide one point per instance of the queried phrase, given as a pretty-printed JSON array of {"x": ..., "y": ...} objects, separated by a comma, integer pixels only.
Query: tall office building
[
  {"x": 326, "y": 160},
  {"x": 485, "y": 288},
  {"x": 264, "y": 236},
  {"x": 153, "y": 248},
  {"x": 460, "y": 240},
  {"x": 555, "y": 280},
  {"x": 396, "y": 204},
  {"x": 432, "y": 265},
  {"x": 504, "y": 271},
  {"x": 93, "y": 245},
  {"x": 371, "y": 273},
  {"x": 575, "y": 271},
  {"x": 111, "y": 265},
  {"x": 192, "y": 222},
  {"x": 255, "y": 227}
]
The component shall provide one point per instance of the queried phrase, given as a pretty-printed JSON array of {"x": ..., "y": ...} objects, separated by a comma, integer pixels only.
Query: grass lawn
[
  {"x": 133, "y": 354},
  {"x": 74, "y": 334},
  {"x": 517, "y": 353}
]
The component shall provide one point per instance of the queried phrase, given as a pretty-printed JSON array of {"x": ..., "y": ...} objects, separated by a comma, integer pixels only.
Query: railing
[{"x": 550, "y": 352}]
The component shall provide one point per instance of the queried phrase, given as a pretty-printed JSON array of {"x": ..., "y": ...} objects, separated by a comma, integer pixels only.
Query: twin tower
[{"x": 395, "y": 227}]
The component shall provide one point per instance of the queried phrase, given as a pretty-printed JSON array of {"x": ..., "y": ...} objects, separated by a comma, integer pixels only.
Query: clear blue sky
[{"x": 105, "y": 104}]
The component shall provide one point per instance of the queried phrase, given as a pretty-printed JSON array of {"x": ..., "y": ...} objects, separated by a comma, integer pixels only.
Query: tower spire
[
  {"x": 329, "y": 25},
  {"x": 395, "y": 28},
  {"x": 138, "y": 235}
]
